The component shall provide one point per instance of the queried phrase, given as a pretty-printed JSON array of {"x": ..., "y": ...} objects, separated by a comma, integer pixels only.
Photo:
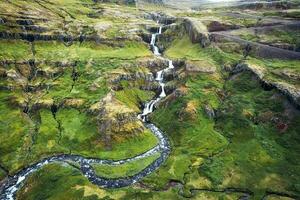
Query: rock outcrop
[
  {"x": 197, "y": 31},
  {"x": 200, "y": 66},
  {"x": 291, "y": 91},
  {"x": 116, "y": 119}
]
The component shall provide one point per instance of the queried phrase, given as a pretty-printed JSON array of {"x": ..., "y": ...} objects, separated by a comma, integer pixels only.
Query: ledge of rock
[
  {"x": 197, "y": 31},
  {"x": 292, "y": 92},
  {"x": 200, "y": 66},
  {"x": 117, "y": 119}
]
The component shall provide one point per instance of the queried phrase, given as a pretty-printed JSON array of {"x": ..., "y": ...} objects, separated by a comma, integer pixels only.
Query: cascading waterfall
[
  {"x": 153, "y": 40},
  {"x": 14, "y": 183},
  {"x": 149, "y": 106},
  {"x": 171, "y": 66}
]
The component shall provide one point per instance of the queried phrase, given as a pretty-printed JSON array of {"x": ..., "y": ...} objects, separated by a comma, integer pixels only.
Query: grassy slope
[
  {"x": 183, "y": 48},
  {"x": 86, "y": 51},
  {"x": 64, "y": 182},
  {"x": 256, "y": 154},
  {"x": 125, "y": 170},
  {"x": 79, "y": 136}
]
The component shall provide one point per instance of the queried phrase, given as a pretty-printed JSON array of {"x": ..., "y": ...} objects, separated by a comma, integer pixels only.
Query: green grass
[
  {"x": 124, "y": 170},
  {"x": 255, "y": 157},
  {"x": 289, "y": 14},
  {"x": 57, "y": 51},
  {"x": 274, "y": 70},
  {"x": 275, "y": 36},
  {"x": 183, "y": 48},
  {"x": 14, "y": 50},
  {"x": 90, "y": 85},
  {"x": 15, "y": 131},
  {"x": 133, "y": 97},
  {"x": 274, "y": 64},
  {"x": 79, "y": 135},
  {"x": 191, "y": 132},
  {"x": 53, "y": 182}
]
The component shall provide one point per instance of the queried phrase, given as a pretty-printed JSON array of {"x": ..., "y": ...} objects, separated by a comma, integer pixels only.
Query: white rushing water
[{"x": 149, "y": 106}]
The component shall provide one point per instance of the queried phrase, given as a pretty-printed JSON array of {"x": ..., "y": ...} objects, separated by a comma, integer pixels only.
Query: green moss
[
  {"x": 133, "y": 97},
  {"x": 191, "y": 132},
  {"x": 14, "y": 50},
  {"x": 15, "y": 130},
  {"x": 72, "y": 132},
  {"x": 53, "y": 182},
  {"x": 277, "y": 64},
  {"x": 275, "y": 37},
  {"x": 125, "y": 170},
  {"x": 80, "y": 135},
  {"x": 277, "y": 70},
  {"x": 255, "y": 158},
  {"x": 288, "y": 13},
  {"x": 86, "y": 51},
  {"x": 183, "y": 48}
]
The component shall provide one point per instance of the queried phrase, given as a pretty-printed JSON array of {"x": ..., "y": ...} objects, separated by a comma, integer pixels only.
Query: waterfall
[
  {"x": 149, "y": 106},
  {"x": 162, "y": 94},
  {"x": 156, "y": 50},
  {"x": 14, "y": 183},
  {"x": 153, "y": 38},
  {"x": 171, "y": 66},
  {"x": 159, "y": 75}
]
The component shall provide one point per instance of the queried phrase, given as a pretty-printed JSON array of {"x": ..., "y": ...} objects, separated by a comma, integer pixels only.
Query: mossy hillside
[
  {"x": 82, "y": 17},
  {"x": 190, "y": 130},
  {"x": 64, "y": 182},
  {"x": 82, "y": 81},
  {"x": 54, "y": 182},
  {"x": 133, "y": 97},
  {"x": 277, "y": 70},
  {"x": 275, "y": 36},
  {"x": 259, "y": 151},
  {"x": 124, "y": 170},
  {"x": 71, "y": 132},
  {"x": 290, "y": 13},
  {"x": 183, "y": 48},
  {"x": 57, "y": 51},
  {"x": 15, "y": 50},
  {"x": 16, "y": 131}
]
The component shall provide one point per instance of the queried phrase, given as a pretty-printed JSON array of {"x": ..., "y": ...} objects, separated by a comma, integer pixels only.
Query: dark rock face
[
  {"x": 161, "y": 17},
  {"x": 196, "y": 31},
  {"x": 217, "y": 26}
]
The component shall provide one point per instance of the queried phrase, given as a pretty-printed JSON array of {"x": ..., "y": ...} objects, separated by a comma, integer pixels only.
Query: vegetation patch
[{"x": 124, "y": 170}]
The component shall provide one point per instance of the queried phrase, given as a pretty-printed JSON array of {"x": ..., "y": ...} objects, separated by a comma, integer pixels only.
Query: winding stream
[{"x": 14, "y": 183}]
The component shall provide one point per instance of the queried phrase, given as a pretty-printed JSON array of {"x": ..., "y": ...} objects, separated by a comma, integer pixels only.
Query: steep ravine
[{"x": 14, "y": 183}]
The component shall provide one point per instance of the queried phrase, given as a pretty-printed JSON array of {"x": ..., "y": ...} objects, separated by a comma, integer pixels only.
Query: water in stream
[{"x": 14, "y": 183}]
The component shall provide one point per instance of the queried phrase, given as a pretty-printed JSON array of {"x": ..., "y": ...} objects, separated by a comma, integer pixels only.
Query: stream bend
[{"x": 10, "y": 187}]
